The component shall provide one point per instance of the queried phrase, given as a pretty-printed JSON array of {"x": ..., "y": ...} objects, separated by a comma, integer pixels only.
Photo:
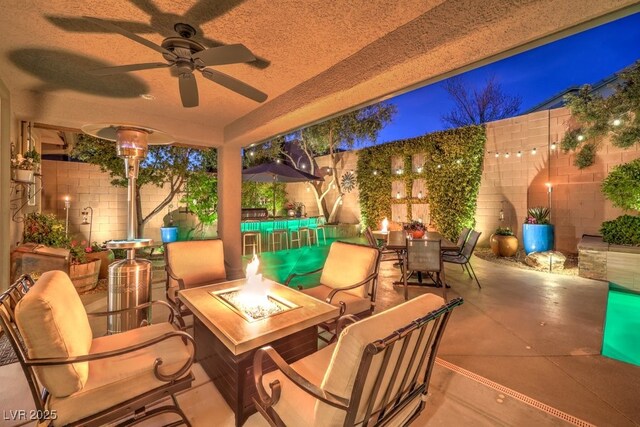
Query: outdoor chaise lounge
[
  {"x": 76, "y": 379},
  {"x": 190, "y": 264},
  {"x": 376, "y": 374}
]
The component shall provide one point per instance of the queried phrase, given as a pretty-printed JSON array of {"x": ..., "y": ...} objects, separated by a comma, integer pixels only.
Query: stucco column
[
  {"x": 5, "y": 185},
  {"x": 229, "y": 207}
]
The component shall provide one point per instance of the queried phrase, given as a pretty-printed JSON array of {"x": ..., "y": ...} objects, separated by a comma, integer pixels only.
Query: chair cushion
[
  {"x": 355, "y": 304},
  {"x": 296, "y": 406},
  {"x": 348, "y": 264},
  {"x": 53, "y": 323},
  {"x": 196, "y": 262},
  {"x": 116, "y": 379},
  {"x": 343, "y": 368}
]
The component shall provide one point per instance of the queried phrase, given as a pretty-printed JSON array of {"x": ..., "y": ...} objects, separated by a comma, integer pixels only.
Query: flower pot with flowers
[
  {"x": 415, "y": 229},
  {"x": 25, "y": 165},
  {"x": 106, "y": 257},
  {"x": 83, "y": 271},
  {"x": 290, "y": 208},
  {"x": 503, "y": 243},
  {"x": 537, "y": 232}
]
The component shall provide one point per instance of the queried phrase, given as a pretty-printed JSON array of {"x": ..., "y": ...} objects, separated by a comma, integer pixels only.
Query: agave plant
[{"x": 538, "y": 215}]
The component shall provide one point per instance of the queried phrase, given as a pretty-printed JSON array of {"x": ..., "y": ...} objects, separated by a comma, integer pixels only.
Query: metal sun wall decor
[{"x": 348, "y": 181}]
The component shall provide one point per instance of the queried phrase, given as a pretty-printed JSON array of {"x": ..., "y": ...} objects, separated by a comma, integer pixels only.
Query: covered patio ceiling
[{"x": 317, "y": 58}]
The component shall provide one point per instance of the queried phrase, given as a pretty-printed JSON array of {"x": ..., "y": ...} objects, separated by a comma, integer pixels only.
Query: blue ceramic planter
[
  {"x": 169, "y": 234},
  {"x": 537, "y": 237}
]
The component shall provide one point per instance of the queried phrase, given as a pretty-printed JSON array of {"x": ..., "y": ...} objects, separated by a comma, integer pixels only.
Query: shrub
[
  {"x": 45, "y": 229},
  {"x": 538, "y": 215},
  {"x": 622, "y": 186},
  {"x": 624, "y": 230}
]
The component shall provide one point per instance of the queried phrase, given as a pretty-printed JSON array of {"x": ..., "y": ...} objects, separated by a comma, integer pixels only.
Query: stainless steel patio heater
[{"x": 130, "y": 278}]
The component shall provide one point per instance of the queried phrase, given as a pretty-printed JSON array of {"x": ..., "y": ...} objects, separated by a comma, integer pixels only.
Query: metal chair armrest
[
  {"x": 174, "y": 276},
  {"x": 344, "y": 321},
  {"x": 268, "y": 401},
  {"x": 129, "y": 349},
  {"x": 293, "y": 275},
  {"x": 346, "y": 288},
  {"x": 173, "y": 314}
]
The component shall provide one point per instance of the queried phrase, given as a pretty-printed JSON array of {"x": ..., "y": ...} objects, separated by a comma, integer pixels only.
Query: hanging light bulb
[
  {"x": 534, "y": 151},
  {"x": 554, "y": 145},
  {"x": 497, "y": 154},
  {"x": 439, "y": 166},
  {"x": 580, "y": 138},
  {"x": 459, "y": 161},
  {"x": 617, "y": 122},
  {"x": 519, "y": 154},
  {"x": 375, "y": 172},
  {"x": 251, "y": 153},
  {"x": 278, "y": 161},
  {"x": 304, "y": 166},
  {"x": 506, "y": 155}
]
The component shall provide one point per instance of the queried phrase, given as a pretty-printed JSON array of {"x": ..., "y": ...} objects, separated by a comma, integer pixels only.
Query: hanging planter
[
  {"x": 23, "y": 175},
  {"x": 169, "y": 234}
]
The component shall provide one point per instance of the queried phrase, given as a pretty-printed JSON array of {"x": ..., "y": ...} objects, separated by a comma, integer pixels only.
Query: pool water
[{"x": 622, "y": 326}]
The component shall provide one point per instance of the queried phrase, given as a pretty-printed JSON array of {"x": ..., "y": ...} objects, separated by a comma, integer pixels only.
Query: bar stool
[
  {"x": 294, "y": 232},
  {"x": 316, "y": 226},
  {"x": 280, "y": 230},
  {"x": 301, "y": 229},
  {"x": 251, "y": 230}
]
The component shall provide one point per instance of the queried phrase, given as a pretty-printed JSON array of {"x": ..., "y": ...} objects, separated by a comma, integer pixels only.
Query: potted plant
[
  {"x": 106, "y": 257},
  {"x": 290, "y": 208},
  {"x": 298, "y": 207},
  {"x": 83, "y": 271},
  {"x": 503, "y": 242},
  {"x": 24, "y": 165},
  {"x": 537, "y": 233},
  {"x": 169, "y": 233},
  {"x": 415, "y": 228}
]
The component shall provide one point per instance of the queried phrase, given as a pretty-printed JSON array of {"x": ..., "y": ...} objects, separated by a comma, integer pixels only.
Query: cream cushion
[
  {"x": 354, "y": 304},
  {"x": 116, "y": 379},
  {"x": 348, "y": 264},
  {"x": 196, "y": 262},
  {"x": 295, "y": 406},
  {"x": 53, "y": 323},
  {"x": 343, "y": 367}
]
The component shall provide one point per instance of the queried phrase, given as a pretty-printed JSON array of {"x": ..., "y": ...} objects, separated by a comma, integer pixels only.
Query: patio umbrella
[{"x": 276, "y": 172}]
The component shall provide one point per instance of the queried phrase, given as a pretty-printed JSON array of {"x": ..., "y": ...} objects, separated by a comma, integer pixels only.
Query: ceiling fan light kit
[{"x": 187, "y": 55}]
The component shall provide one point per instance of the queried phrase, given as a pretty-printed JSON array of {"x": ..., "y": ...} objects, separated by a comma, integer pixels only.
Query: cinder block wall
[
  {"x": 86, "y": 186},
  {"x": 577, "y": 204}
]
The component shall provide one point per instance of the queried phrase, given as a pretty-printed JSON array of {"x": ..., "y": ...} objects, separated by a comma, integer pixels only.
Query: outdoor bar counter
[{"x": 264, "y": 224}]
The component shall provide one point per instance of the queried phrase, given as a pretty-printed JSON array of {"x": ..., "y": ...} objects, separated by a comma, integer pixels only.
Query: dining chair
[
  {"x": 385, "y": 254},
  {"x": 377, "y": 374},
  {"x": 464, "y": 257},
  {"x": 462, "y": 239},
  {"x": 190, "y": 264},
  {"x": 424, "y": 256},
  {"x": 78, "y": 380}
]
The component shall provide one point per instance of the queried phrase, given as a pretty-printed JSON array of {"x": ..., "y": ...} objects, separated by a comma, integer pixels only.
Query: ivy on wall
[{"x": 452, "y": 172}]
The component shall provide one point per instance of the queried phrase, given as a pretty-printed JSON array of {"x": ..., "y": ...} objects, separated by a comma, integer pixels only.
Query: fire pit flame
[{"x": 254, "y": 293}]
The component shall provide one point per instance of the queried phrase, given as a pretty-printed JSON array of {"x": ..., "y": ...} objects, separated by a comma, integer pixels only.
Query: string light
[
  {"x": 304, "y": 166},
  {"x": 554, "y": 145},
  {"x": 459, "y": 161},
  {"x": 506, "y": 155},
  {"x": 375, "y": 172},
  {"x": 398, "y": 195},
  {"x": 419, "y": 170},
  {"x": 439, "y": 166},
  {"x": 497, "y": 154},
  {"x": 419, "y": 194},
  {"x": 278, "y": 161},
  {"x": 580, "y": 138},
  {"x": 534, "y": 151},
  {"x": 251, "y": 153},
  {"x": 617, "y": 122},
  {"x": 519, "y": 154},
  {"x": 399, "y": 171}
]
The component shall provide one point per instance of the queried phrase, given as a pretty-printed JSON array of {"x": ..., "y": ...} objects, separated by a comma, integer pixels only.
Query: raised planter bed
[{"x": 614, "y": 263}]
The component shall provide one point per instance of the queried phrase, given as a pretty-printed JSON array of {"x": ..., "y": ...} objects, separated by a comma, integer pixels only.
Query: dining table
[{"x": 397, "y": 241}]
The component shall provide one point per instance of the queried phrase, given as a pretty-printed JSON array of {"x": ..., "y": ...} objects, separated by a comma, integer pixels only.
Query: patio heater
[{"x": 130, "y": 278}]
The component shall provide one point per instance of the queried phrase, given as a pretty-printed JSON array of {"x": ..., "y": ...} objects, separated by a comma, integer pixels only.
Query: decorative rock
[{"x": 540, "y": 260}]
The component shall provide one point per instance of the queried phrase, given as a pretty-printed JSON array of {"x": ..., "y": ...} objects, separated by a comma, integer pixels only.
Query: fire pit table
[{"x": 227, "y": 336}]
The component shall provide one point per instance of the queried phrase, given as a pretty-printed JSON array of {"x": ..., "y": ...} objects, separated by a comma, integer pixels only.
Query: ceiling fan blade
[
  {"x": 260, "y": 63},
  {"x": 234, "y": 85},
  {"x": 130, "y": 35},
  {"x": 107, "y": 71},
  {"x": 188, "y": 90},
  {"x": 229, "y": 54}
]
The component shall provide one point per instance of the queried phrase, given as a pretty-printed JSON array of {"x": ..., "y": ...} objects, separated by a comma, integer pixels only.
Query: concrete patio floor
[{"x": 537, "y": 334}]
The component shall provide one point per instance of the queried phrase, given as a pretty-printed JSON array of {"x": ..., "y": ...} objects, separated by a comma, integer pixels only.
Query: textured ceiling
[{"x": 316, "y": 58}]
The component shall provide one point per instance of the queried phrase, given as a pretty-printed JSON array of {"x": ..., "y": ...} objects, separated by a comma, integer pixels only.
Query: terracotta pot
[
  {"x": 417, "y": 234},
  {"x": 505, "y": 246}
]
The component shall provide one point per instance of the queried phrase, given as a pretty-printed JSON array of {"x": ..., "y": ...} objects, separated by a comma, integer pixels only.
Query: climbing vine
[
  {"x": 617, "y": 116},
  {"x": 452, "y": 170}
]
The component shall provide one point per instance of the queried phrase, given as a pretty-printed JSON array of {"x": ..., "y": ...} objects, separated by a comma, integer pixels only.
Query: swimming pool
[{"x": 621, "y": 339}]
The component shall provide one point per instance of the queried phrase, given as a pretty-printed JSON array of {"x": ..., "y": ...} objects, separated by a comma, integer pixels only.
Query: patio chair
[
  {"x": 191, "y": 264},
  {"x": 462, "y": 238},
  {"x": 376, "y": 374},
  {"x": 78, "y": 380},
  {"x": 424, "y": 256},
  {"x": 385, "y": 254},
  {"x": 349, "y": 278},
  {"x": 464, "y": 256}
]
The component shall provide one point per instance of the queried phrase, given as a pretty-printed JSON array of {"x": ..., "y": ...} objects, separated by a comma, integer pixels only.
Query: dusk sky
[{"x": 535, "y": 75}]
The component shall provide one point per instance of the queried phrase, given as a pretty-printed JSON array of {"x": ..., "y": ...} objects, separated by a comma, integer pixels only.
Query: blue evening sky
[{"x": 534, "y": 75}]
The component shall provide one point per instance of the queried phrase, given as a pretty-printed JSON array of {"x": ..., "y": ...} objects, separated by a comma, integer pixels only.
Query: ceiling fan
[{"x": 187, "y": 55}]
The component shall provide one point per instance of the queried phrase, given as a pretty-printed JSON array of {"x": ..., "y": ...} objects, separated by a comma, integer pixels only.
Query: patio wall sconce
[
  {"x": 67, "y": 205},
  {"x": 87, "y": 219},
  {"x": 501, "y": 213}
]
